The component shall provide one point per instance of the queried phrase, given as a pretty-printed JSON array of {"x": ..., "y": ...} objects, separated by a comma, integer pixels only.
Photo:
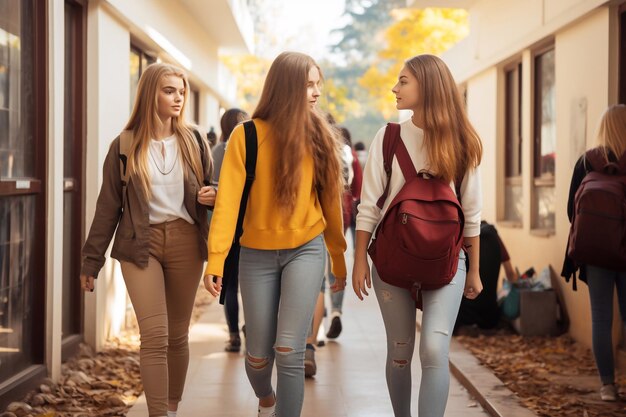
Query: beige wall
[
  {"x": 501, "y": 27},
  {"x": 583, "y": 74},
  {"x": 152, "y": 18},
  {"x": 482, "y": 100},
  {"x": 108, "y": 95}
]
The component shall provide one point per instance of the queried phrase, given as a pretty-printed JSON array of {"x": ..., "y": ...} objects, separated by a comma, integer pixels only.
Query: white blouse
[
  {"x": 374, "y": 179},
  {"x": 167, "y": 182}
]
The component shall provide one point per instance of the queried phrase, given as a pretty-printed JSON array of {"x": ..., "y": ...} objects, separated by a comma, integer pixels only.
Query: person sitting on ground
[{"x": 483, "y": 311}]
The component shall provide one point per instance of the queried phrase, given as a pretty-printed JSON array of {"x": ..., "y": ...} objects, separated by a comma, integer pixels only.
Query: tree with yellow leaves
[{"x": 414, "y": 32}]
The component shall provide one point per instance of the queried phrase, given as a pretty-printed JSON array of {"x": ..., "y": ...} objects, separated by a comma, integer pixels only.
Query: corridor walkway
[{"x": 349, "y": 383}]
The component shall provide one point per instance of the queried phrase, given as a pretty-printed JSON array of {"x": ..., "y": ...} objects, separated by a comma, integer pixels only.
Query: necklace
[{"x": 157, "y": 165}]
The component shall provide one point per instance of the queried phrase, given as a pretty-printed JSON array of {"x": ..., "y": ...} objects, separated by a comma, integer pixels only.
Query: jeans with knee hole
[
  {"x": 440, "y": 308},
  {"x": 601, "y": 283},
  {"x": 279, "y": 289}
]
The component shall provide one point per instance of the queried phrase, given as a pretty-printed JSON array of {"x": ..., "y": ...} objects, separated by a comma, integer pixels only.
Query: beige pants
[{"x": 163, "y": 296}]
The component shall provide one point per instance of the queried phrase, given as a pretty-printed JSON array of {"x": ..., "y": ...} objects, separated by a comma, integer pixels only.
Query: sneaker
[
  {"x": 310, "y": 367},
  {"x": 233, "y": 344},
  {"x": 608, "y": 392},
  {"x": 267, "y": 411},
  {"x": 335, "y": 327}
]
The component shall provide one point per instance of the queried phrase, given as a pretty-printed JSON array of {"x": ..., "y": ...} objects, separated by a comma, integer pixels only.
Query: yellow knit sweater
[{"x": 264, "y": 225}]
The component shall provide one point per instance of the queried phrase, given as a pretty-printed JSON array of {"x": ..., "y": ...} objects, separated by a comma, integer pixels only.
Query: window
[
  {"x": 72, "y": 173},
  {"x": 544, "y": 149},
  {"x": 192, "y": 107},
  {"x": 513, "y": 203},
  {"x": 22, "y": 175},
  {"x": 139, "y": 60}
]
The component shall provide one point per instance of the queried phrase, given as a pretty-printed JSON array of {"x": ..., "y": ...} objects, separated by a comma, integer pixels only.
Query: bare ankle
[{"x": 268, "y": 401}]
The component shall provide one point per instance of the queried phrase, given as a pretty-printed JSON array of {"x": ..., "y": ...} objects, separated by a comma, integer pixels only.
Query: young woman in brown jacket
[{"x": 162, "y": 227}]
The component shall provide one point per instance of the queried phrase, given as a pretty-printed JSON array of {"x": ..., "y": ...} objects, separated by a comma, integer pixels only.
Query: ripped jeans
[
  {"x": 440, "y": 308},
  {"x": 279, "y": 289}
]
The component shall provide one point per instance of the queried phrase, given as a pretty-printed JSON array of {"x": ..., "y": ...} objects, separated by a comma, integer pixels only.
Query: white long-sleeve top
[
  {"x": 375, "y": 179},
  {"x": 167, "y": 182}
]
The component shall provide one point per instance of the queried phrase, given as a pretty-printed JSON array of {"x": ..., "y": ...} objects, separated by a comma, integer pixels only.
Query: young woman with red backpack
[
  {"x": 597, "y": 235},
  {"x": 439, "y": 139}
]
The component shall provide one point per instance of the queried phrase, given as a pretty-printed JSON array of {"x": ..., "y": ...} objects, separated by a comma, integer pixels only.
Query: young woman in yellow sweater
[{"x": 293, "y": 212}]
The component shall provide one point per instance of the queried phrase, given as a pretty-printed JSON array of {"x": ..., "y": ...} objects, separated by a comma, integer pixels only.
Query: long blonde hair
[
  {"x": 612, "y": 130},
  {"x": 145, "y": 123},
  {"x": 452, "y": 144},
  {"x": 298, "y": 129}
]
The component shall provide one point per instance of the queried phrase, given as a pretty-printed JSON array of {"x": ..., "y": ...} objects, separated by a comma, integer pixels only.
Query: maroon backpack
[
  {"x": 417, "y": 243},
  {"x": 598, "y": 231}
]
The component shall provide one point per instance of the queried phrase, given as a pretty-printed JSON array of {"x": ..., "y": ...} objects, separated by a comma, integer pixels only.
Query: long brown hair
[
  {"x": 145, "y": 123},
  {"x": 452, "y": 144},
  {"x": 298, "y": 129},
  {"x": 612, "y": 130}
]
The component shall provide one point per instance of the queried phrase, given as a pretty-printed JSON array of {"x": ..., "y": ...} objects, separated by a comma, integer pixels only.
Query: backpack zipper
[{"x": 405, "y": 217}]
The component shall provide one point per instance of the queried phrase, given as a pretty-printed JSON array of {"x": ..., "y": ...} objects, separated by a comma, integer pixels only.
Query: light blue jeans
[
  {"x": 440, "y": 308},
  {"x": 279, "y": 289},
  {"x": 601, "y": 283}
]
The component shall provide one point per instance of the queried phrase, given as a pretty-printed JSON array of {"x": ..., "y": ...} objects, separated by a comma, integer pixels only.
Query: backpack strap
[
  {"x": 390, "y": 143},
  {"x": 202, "y": 156},
  {"x": 251, "y": 158},
  {"x": 126, "y": 139}
]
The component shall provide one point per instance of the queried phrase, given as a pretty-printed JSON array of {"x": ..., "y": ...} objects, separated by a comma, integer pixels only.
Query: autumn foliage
[{"x": 414, "y": 32}]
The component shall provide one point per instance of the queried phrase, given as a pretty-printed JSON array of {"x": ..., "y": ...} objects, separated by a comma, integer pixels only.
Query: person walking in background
[
  {"x": 350, "y": 198},
  {"x": 440, "y": 139},
  {"x": 211, "y": 137},
  {"x": 294, "y": 214},
  {"x": 161, "y": 221},
  {"x": 600, "y": 278},
  {"x": 361, "y": 153},
  {"x": 230, "y": 119}
]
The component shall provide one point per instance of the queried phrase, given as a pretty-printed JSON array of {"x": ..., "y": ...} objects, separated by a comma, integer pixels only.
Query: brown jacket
[{"x": 132, "y": 223}]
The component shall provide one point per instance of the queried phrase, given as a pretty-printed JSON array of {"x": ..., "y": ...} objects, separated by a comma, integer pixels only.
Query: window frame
[
  {"x": 539, "y": 180},
  {"x": 145, "y": 59},
  {"x": 10, "y": 187},
  {"x": 513, "y": 179},
  {"x": 76, "y": 184}
]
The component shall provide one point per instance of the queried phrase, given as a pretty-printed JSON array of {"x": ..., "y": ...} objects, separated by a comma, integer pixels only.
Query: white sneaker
[
  {"x": 608, "y": 392},
  {"x": 267, "y": 411}
]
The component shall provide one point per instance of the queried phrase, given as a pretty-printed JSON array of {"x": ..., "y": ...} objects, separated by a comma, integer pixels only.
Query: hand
[
  {"x": 206, "y": 195},
  {"x": 87, "y": 283},
  {"x": 473, "y": 285},
  {"x": 213, "y": 284},
  {"x": 339, "y": 284},
  {"x": 361, "y": 278}
]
